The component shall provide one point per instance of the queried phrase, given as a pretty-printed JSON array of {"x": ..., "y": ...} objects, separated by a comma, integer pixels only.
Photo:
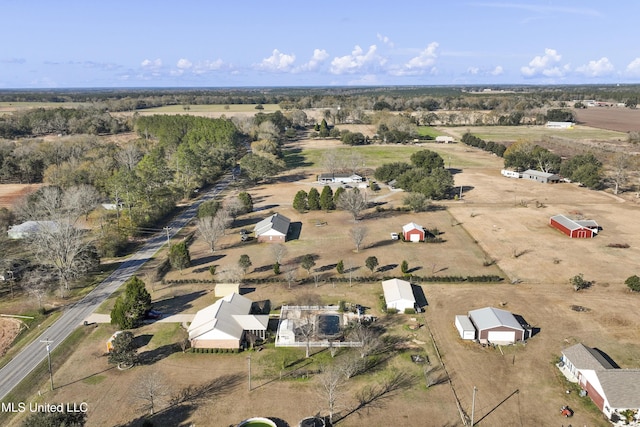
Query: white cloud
[
  {"x": 633, "y": 68},
  {"x": 184, "y": 64},
  {"x": 546, "y": 65},
  {"x": 473, "y": 70},
  {"x": 358, "y": 60},
  {"x": 419, "y": 64},
  {"x": 151, "y": 64},
  {"x": 319, "y": 56},
  {"x": 601, "y": 67},
  {"x": 385, "y": 40},
  {"x": 205, "y": 66},
  {"x": 278, "y": 61},
  {"x": 497, "y": 71}
]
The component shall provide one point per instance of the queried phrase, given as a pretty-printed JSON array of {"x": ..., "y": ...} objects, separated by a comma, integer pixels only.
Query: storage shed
[
  {"x": 413, "y": 232},
  {"x": 398, "y": 294},
  {"x": 497, "y": 326},
  {"x": 465, "y": 328},
  {"x": 580, "y": 229},
  {"x": 543, "y": 177}
]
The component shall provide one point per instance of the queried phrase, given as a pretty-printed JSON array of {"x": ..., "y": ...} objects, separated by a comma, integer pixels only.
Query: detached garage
[
  {"x": 465, "y": 328},
  {"x": 413, "y": 232},
  {"x": 398, "y": 294},
  {"x": 576, "y": 229},
  {"x": 497, "y": 326}
]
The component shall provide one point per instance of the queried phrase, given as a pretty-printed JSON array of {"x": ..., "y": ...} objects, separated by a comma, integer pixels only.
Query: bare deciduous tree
[
  {"x": 56, "y": 241},
  {"x": 619, "y": 174},
  {"x": 290, "y": 275},
  {"x": 38, "y": 283},
  {"x": 128, "y": 156},
  {"x": 83, "y": 198},
  {"x": 358, "y": 234},
  {"x": 279, "y": 251},
  {"x": 367, "y": 335},
  {"x": 330, "y": 388},
  {"x": 151, "y": 390},
  {"x": 353, "y": 201},
  {"x": 212, "y": 228}
]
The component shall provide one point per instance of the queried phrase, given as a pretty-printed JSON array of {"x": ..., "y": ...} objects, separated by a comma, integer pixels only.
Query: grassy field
[
  {"x": 428, "y": 131},
  {"x": 533, "y": 133}
]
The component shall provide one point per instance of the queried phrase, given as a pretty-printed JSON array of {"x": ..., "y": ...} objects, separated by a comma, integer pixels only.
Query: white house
[
  {"x": 24, "y": 230},
  {"x": 398, "y": 294},
  {"x": 224, "y": 324},
  {"x": 612, "y": 390},
  {"x": 272, "y": 229},
  {"x": 560, "y": 125},
  {"x": 444, "y": 139},
  {"x": 340, "y": 178}
]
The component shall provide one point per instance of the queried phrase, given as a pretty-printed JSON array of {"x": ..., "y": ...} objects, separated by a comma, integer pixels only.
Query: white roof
[
  {"x": 489, "y": 317},
  {"x": 465, "y": 323},
  {"x": 226, "y": 318},
  {"x": 397, "y": 290},
  {"x": 31, "y": 227},
  {"x": 533, "y": 172},
  {"x": 575, "y": 225},
  {"x": 412, "y": 226}
]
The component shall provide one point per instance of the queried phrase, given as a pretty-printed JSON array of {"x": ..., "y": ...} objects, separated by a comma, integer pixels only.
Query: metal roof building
[{"x": 496, "y": 326}]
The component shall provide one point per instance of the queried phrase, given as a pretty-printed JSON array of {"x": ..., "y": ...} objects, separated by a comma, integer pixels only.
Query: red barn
[
  {"x": 413, "y": 232},
  {"x": 581, "y": 229}
]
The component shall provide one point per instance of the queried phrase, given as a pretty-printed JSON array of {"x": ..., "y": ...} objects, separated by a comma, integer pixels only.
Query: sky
[{"x": 243, "y": 43}]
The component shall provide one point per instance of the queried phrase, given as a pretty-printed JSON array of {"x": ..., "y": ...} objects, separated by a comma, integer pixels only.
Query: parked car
[{"x": 153, "y": 314}]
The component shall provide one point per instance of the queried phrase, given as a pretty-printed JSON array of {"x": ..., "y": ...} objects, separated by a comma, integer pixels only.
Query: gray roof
[
  {"x": 621, "y": 387},
  {"x": 489, "y": 317},
  {"x": 277, "y": 222},
  {"x": 547, "y": 175},
  {"x": 465, "y": 323},
  {"x": 574, "y": 225},
  {"x": 583, "y": 357}
]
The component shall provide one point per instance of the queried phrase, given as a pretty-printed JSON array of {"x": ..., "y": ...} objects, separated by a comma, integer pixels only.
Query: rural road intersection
[{"x": 75, "y": 315}]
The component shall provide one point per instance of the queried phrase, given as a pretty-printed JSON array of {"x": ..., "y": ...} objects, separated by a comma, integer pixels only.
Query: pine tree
[
  {"x": 179, "y": 257},
  {"x": 313, "y": 199},
  {"x": 247, "y": 201},
  {"x": 326, "y": 199},
  {"x": 300, "y": 201},
  {"x": 130, "y": 307}
]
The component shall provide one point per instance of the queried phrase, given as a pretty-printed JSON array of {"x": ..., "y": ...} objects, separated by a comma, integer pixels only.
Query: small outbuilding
[
  {"x": 580, "y": 229},
  {"x": 443, "y": 139},
  {"x": 543, "y": 177},
  {"x": 273, "y": 229},
  {"x": 398, "y": 294},
  {"x": 496, "y": 326},
  {"x": 413, "y": 232},
  {"x": 465, "y": 328}
]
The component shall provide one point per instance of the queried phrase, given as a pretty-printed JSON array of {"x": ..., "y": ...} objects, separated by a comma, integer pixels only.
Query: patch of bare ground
[
  {"x": 618, "y": 119},
  {"x": 10, "y": 194},
  {"x": 9, "y": 330}
]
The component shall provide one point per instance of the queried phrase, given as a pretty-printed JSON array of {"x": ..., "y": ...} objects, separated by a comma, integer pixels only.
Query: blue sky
[{"x": 191, "y": 43}]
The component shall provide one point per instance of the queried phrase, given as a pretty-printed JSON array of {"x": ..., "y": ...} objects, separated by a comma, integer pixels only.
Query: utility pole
[
  {"x": 48, "y": 342},
  {"x": 473, "y": 404},
  {"x": 167, "y": 229},
  {"x": 249, "y": 360}
]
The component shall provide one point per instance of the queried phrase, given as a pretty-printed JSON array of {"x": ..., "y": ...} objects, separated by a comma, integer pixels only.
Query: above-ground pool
[
  {"x": 257, "y": 422},
  {"x": 328, "y": 325}
]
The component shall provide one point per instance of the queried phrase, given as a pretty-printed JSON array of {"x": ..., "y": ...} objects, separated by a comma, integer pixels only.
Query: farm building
[
  {"x": 612, "y": 390},
  {"x": 339, "y": 178},
  {"x": 560, "y": 125},
  {"x": 413, "y": 232},
  {"x": 272, "y": 229},
  {"x": 24, "y": 230},
  {"x": 225, "y": 323},
  {"x": 580, "y": 229},
  {"x": 496, "y": 326},
  {"x": 444, "y": 139},
  {"x": 543, "y": 177},
  {"x": 465, "y": 328},
  {"x": 398, "y": 294}
]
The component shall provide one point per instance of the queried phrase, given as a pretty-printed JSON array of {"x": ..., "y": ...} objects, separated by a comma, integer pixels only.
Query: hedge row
[
  {"x": 346, "y": 279},
  {"x": 215, "y": 350}
]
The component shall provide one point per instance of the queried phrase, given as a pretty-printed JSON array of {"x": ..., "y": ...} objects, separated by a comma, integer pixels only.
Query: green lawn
[
  {"x": 428, "y": 131},
  {"x": 214, "y": 108}
]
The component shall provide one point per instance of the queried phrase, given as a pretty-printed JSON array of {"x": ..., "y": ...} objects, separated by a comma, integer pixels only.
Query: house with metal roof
[
  {"x": 582, "y": 229},
  {"x": 28, "y": 228},
  {"x": 398, "y": 294},
  {"x": 538, "y": 176},
  {"x": 341, "y": 178},
  {"x": 613, "y": 390},
  {"x": 272, "y": 229},
  {"x": 225, "y": 323},
  {"x": 496, "y": 326}
]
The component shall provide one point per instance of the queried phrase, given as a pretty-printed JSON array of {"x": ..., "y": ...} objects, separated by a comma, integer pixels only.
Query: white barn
[
  {"x": 398, "y": 294},
  {"x": 465, "y": 328}
]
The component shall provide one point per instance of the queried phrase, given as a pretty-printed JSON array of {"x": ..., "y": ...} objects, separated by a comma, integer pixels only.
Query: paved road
[{"x": 33, "y": 354}]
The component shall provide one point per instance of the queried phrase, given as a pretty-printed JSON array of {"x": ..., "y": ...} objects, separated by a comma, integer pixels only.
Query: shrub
[
  {"x": 409, "y": 311},
  {"x": 633, "y": 283}
]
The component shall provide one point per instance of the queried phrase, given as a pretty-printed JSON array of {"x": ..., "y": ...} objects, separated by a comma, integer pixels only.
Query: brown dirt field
[
  {"x": 496, "y": 217},
  {"x": 9, "y": 330},
  {"x": 10, "y": 193},
  {"x": 619, "y": 119}
]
